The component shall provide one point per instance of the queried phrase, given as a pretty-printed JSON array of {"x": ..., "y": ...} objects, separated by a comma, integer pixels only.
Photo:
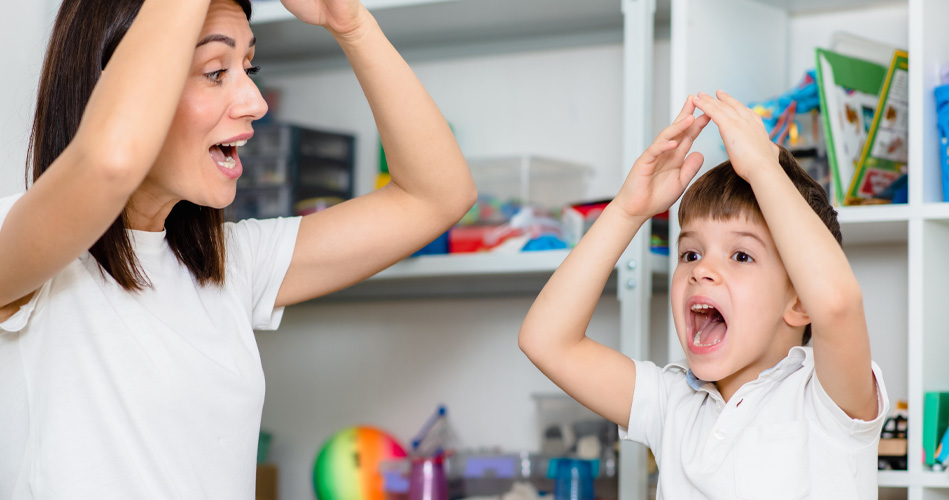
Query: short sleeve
[
  {"x": 645, "y": 423},
  {"x": 831, "y": 415},
  {"x": 260, "y": 252},
  {"x": 20, "y": 318}
]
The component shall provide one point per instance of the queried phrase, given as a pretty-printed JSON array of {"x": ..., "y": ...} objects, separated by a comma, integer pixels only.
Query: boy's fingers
[
  {"x": 690, "y": 167},
  {"x": 677, "y": 127},
  {"x": 737, "y": 105},
  {"x": 687, "y": 109},
  {"x": 659, "y": 147},
  {"x": 696, "y": 128}
]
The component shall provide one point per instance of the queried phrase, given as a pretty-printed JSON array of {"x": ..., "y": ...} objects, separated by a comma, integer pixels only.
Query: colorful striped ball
[{"x": 347, "y": 466}]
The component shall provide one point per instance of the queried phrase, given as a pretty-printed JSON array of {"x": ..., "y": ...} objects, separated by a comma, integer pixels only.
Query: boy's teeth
[
  {"x": 698, "y": 339},
  {"x": 228, "y": 163}
]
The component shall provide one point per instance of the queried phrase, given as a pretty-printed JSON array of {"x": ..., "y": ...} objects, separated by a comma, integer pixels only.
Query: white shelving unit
[
  {"x": 738, "y": 45},
  {"x": 918, "y": 231}
]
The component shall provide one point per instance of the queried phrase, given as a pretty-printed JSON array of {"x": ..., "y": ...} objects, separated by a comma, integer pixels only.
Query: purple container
[{"x": 427, "y": 479}]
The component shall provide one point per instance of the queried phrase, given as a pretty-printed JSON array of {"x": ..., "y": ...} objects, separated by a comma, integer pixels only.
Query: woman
[{"x": 128, "y": 367}]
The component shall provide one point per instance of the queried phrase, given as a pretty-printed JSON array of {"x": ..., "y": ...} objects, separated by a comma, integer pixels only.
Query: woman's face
[{"x": 199, "y": 161}]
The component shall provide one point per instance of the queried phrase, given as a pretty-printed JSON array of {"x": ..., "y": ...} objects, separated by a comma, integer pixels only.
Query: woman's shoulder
[{"x": 6, "y": 203}]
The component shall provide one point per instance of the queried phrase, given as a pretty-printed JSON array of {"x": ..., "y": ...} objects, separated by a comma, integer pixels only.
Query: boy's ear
[{"x": 795, "y": 315}]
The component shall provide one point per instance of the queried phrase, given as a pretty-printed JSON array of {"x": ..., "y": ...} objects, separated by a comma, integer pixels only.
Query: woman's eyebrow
[{"x": 223, "y": 39}]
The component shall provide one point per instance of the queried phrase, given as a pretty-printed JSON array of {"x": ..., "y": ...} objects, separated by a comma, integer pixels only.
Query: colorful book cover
[
  {"x": 885, "y": 153},
  {"x": 849, "y": 92},
  {"x": 935, "y": 422}
]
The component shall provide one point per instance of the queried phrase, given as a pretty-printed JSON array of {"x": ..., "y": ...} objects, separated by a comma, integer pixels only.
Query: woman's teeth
[
  {"x": 235, "y": 144},
  {"x": 228, "y": 163}
]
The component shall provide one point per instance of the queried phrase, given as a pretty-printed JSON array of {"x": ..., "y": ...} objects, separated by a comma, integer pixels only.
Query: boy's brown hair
[{"x": 721, "y": 194}]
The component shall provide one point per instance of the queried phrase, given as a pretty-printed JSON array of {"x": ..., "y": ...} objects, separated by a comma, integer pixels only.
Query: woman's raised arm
[
  {"x": 121, "y": 132},
  {"x": 431, "y": 187}
]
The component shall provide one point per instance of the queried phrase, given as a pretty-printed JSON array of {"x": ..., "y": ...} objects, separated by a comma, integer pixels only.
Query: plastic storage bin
[
  {"x": 531, "y": 180},
  {"x": 293, "y": 170}
]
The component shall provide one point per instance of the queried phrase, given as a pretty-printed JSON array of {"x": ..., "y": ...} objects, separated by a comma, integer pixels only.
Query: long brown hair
[
  {"x": 721, "y": 194},
  {"x": 85, "y": 35}
]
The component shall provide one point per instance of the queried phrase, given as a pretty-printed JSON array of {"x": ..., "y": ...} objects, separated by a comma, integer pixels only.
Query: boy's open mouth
[{"x": 708, "y": 325}]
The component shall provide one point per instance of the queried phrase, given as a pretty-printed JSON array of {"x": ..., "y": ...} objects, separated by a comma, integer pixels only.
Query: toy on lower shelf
[{"x": 941, "y": 460}]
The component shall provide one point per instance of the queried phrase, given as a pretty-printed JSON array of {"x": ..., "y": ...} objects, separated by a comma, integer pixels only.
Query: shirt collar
[{"x": 797, "y": 357}]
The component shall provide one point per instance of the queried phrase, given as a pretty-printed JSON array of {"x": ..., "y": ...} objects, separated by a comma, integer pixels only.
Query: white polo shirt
[{"x": 780, "y": 437}]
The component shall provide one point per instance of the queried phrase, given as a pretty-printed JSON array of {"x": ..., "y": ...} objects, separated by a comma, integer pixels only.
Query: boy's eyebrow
[
  {"x": 749, "y": 235},
  {"x": 689, "y": 234},
  {"x": 223, "y": 39},
  {"x": 684, "y": 234}
]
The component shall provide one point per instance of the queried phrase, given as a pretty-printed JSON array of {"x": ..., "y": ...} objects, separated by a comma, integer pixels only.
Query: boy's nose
[{"x": 704, "y": 271}]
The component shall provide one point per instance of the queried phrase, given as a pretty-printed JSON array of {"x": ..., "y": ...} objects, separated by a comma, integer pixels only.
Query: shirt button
[
  {"x": 719, "y": 405},
  {"x": 718, "y": 434}
]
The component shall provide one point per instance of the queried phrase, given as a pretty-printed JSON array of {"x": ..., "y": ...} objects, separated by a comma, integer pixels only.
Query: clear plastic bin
[{"x": 531, "y": 180}]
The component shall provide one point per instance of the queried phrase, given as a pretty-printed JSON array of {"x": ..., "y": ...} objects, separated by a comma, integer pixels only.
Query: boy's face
[{"x": 732, "y": 300}]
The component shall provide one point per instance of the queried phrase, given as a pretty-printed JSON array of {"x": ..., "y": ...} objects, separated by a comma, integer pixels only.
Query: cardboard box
[{"x": 266, "y": 482}]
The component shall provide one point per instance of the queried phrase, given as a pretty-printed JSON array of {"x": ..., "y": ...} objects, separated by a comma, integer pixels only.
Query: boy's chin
[{"x": 708, "y": 371}]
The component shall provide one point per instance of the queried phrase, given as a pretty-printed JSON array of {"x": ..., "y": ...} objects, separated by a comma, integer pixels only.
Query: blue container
[
  {"x": 574, "y": 479},
  {"x": 942, "y": 121}
]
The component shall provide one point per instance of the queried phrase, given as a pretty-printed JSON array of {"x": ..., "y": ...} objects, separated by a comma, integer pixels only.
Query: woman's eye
[
  {"x": 689, "y": 256},
  {"x": 216, "y": 76},
  {"x": 253, "y": 70},
  {"x": 742, "y": 257}
]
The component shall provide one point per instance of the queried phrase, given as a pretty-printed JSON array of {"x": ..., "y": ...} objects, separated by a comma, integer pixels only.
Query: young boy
[{"x": 755, "y": 412}]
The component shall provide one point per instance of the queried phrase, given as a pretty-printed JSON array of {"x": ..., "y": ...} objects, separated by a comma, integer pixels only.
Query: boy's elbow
[{"x": 845, "y": 302}]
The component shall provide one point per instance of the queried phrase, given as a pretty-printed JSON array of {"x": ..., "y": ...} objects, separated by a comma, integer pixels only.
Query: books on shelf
[
  {"x": 864, "y": 108},
  {"x": 885, "y": 152}
]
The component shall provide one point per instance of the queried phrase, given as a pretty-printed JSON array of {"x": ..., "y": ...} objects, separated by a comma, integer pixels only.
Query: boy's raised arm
[
  {"x": 553, "y": 334},
  {"x": 826, "y": 287}
]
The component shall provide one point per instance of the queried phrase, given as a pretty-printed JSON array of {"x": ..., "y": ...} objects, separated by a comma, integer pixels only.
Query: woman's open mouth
[
  {"x": 707, "y": 326},
  {"x": 225, "y": 154}
]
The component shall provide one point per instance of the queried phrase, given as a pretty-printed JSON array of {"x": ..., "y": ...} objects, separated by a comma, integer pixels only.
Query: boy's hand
[
  {"x": 338, "y": 16},
  {"x": 746, "y": 141},
  {"x": 661, "y": 174}
]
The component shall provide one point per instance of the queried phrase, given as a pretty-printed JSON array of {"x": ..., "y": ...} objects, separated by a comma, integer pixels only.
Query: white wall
[
  {"x": 888, "y": 24},
  {"x": 564, "y": 103},
  {"x": 23, "y": 32}
]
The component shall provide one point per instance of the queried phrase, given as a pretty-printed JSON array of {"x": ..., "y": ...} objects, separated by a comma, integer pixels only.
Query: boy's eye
[
  {"x": 689, "y": 256},
  {"x": 742, "y": 257},
  {"x": 216, "y": 76}
]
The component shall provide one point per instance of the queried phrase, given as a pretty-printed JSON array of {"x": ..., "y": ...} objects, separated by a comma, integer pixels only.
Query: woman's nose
[{"x": 250, "y": 103}]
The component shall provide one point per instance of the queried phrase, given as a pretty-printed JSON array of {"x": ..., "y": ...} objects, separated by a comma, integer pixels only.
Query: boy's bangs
[{"x": 720, "y": 194}]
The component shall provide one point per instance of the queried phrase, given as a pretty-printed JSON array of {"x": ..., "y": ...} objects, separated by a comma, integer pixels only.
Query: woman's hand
[
  {"x": 746, "y": 140},
  {"x": 339, "y": 16},
  {"x": 661, "y": 174}
]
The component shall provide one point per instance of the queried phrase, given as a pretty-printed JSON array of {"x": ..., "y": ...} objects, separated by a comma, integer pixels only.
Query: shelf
[
  {"x": 435, "y": 24},
  {"x": 936, "y": 211},
  {"x": 903, "y": 479},
  {"x": 874, "y": 224},
  {"x": 474, "y": 274}
]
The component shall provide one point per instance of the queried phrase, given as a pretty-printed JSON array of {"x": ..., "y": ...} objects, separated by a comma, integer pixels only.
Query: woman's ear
[{"x": 795, "y": 315}]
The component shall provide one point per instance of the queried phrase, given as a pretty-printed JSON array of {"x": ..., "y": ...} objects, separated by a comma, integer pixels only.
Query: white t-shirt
[
  {"x": 114, "y": 395},
  {"x": 780, "y": 437}
]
